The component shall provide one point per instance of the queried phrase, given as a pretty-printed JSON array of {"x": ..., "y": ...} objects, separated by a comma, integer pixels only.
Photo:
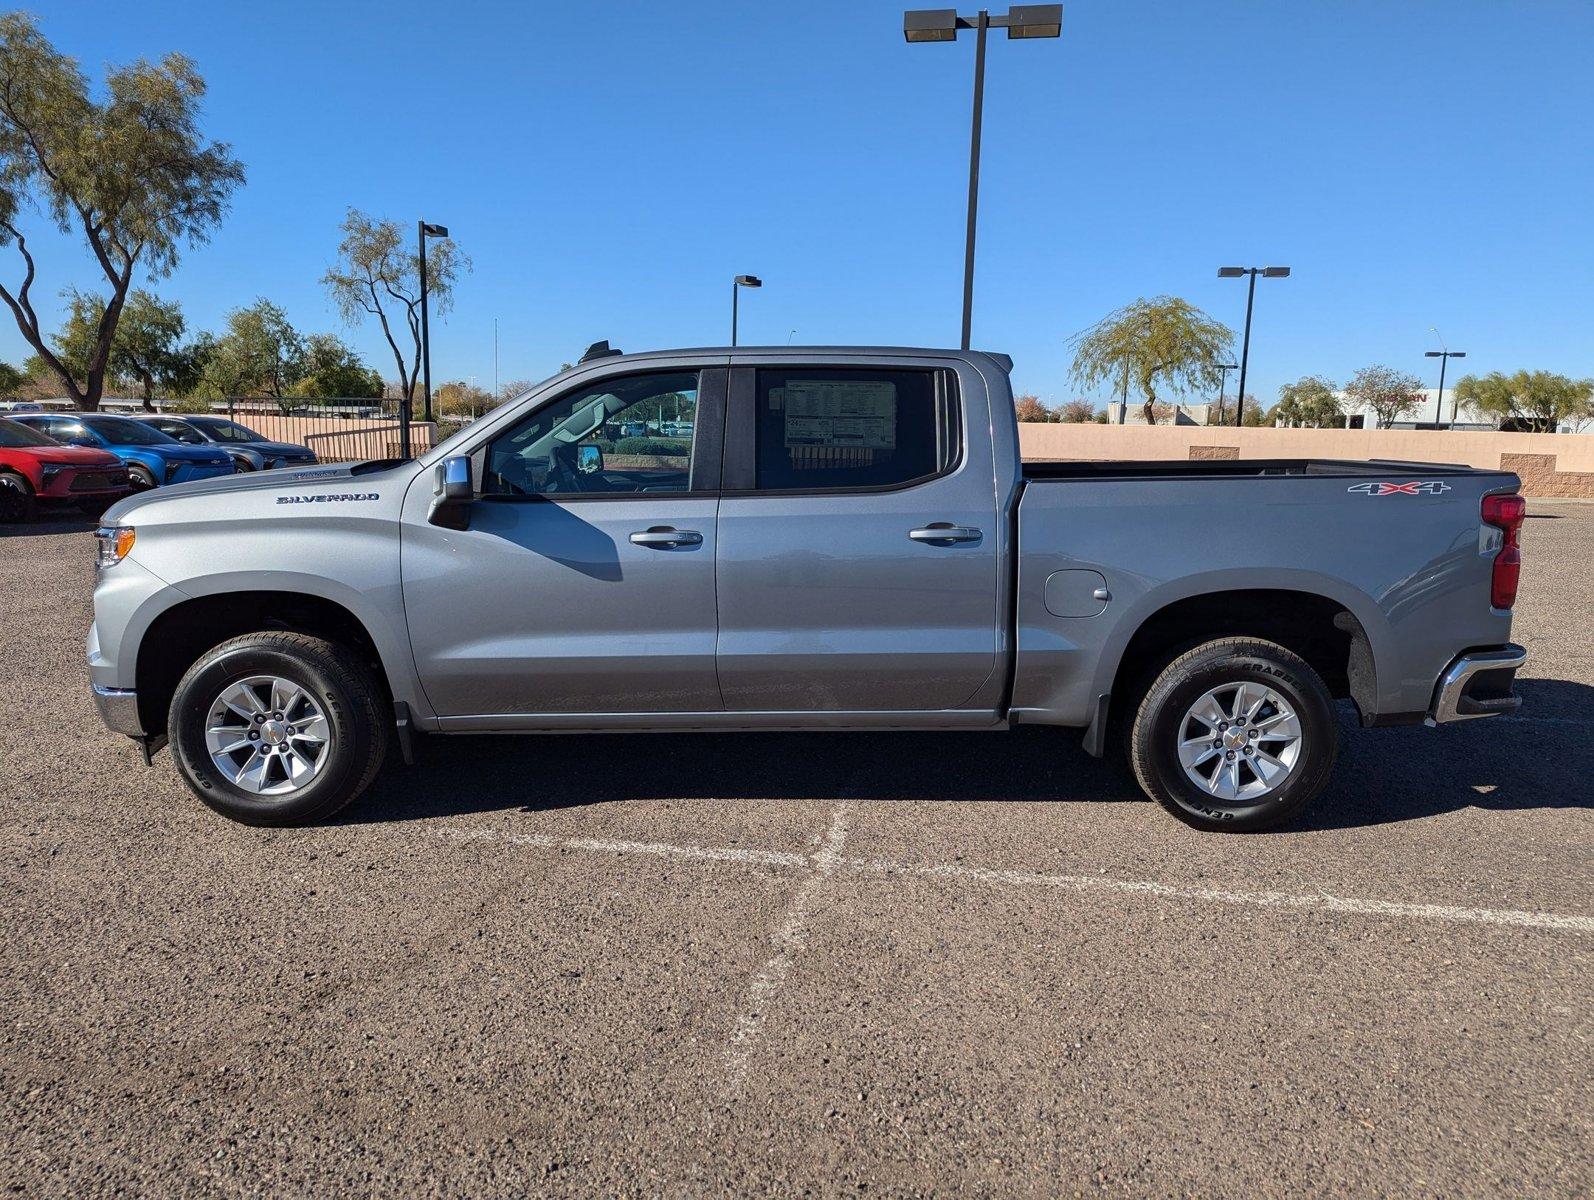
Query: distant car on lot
[
  {"x": 152, "y": 457},
  {"x": 35, "y": 469},
  {"x": 248, "y": 450}
]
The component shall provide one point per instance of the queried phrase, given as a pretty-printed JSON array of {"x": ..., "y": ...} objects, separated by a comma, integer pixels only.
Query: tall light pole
[
  {"x": 942, "y": 25},
  {"x": 741, "y": 281},
  {"x": 1245, "y": 345},
  {"x": 1444, "y": 356},
  {"x": 425, "y": 230},
  {"x": 1223, "y": 378}
]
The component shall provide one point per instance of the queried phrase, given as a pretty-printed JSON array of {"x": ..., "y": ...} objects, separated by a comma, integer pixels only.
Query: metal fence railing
[{"x": 339, "y": 430}]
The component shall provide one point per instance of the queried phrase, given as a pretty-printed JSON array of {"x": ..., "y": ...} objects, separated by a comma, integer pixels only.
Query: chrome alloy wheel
[
  {"x": 1239, "y": 741},
  {"x": 267, "y": 735}
]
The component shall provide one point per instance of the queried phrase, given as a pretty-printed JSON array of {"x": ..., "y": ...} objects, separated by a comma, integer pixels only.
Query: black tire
[
  {"x": 1159, "y": 727},
  {"x": 17, "y": 502},
  {"x": 344, "y": 687},
  {"x": 140, "y": 478}
]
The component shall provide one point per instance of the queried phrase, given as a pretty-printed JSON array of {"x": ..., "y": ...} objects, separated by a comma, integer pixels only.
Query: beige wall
[
  {"x": 1550, "y": 463},
  {"x": 334, "y": 439}
]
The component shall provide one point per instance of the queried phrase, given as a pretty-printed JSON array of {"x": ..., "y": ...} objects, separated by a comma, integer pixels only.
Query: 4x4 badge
[{"x": 1425, "y": 487}]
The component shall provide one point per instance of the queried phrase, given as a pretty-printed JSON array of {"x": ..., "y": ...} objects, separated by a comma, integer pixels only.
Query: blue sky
[{"x": 610, "y": 167}]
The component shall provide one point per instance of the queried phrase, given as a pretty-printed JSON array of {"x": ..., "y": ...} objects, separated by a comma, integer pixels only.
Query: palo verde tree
[
  {"x": 1391, "y": 394},
  {"x": 1535, "y": 401},
  {"x": 1164, "y": 342},
  {"x": 130, "y": 174},
  {"x": 1309, "y": 403},
  {"x": 378, "y": 274}
]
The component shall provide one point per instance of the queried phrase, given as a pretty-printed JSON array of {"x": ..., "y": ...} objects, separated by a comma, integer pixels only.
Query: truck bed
[{"x": 1229, "y": 468}]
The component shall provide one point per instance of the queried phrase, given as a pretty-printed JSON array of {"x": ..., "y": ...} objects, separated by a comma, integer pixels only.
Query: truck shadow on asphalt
[{"x": 1544, "y": 759}]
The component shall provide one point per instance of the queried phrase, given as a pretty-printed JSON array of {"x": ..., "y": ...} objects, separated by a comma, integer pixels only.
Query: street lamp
[
  {"x": 1444, "y": 356},
  {"x": 425, "y": 230},
  {"x": 1022, "y": 21},
  {"x": 1250, "y": 299},
  {"x": 1223, "y": 378},
  {"x": 741, "y": 281}
]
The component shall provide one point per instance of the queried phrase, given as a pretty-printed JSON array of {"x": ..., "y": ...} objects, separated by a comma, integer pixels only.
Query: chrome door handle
[
  {"x": 940, "y": 534},
  {"x": 662, "y": 538}
]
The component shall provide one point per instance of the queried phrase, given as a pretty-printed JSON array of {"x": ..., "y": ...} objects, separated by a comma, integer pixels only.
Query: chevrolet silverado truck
[{"x": 831, "y": 539}]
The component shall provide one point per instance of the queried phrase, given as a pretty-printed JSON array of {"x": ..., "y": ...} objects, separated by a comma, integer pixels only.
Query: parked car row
[{"x": 91, "y": 460}]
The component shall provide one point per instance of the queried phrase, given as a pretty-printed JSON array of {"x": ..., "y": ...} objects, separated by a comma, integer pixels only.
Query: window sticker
[{"x": 830, "y": 412}]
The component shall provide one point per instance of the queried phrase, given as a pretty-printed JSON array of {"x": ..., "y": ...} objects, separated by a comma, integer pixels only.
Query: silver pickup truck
[{"x": 789, "y": 538}]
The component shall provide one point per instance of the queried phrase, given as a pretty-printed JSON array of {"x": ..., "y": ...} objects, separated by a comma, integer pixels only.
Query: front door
[
  {"x": 858, "y": 542},
  {"x": 585, "y": 581}
]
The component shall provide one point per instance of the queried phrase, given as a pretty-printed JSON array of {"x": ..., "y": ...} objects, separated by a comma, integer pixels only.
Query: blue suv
[{"x": 152, "y": 457}]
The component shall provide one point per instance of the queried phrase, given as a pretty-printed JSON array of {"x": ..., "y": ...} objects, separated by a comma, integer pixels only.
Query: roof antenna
[{"x": 599, "y": 350}]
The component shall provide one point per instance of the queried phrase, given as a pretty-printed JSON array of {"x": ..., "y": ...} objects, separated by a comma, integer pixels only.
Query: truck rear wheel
[
  {"x": 277, "y": 728},
  {"x": 1237, "y": 734}
]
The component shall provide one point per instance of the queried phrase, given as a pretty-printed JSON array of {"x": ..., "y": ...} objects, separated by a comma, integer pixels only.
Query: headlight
[
  {"x": 114, "y": 542},
  {"x": 48, "y": 471}
]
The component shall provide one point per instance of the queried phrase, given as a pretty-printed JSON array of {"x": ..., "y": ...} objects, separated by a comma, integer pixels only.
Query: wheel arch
[
  {"x": 1324, "y": 629},
  {"x": 180, "y": 633}
]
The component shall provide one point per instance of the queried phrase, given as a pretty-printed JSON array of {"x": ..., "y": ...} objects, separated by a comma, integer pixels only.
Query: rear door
[{"x": 858, "y": 539}]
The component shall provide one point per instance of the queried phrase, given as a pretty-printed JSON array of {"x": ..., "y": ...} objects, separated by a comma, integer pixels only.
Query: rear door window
[{"x": 833, "y": 429}]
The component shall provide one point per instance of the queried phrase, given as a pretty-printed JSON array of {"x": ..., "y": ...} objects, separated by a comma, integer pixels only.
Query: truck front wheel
[
  {"x": 278, "y": 728},
  {"x": 1237, "y": 734}
]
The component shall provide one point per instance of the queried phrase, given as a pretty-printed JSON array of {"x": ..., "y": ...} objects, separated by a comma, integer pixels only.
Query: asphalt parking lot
[{"x": 769, "y": 964}]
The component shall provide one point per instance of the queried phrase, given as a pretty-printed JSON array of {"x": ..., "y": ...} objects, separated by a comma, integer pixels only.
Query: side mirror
[
  {"x": 453, "y": 489},
  {"x": 589, "y": 459}
]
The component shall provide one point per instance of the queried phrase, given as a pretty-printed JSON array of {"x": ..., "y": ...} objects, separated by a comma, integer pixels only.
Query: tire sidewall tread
[
  {"x": 1153, "y": 754},
  {"x": 344, "y": 686}
]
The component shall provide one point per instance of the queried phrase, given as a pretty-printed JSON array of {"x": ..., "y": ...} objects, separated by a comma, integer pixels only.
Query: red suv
[{"x": 36, "y": 469}]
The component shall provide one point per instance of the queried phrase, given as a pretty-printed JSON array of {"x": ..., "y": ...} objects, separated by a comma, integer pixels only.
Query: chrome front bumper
[
  {"x": 118, "y": 709},
  {"x": 1477, "y": 684}
]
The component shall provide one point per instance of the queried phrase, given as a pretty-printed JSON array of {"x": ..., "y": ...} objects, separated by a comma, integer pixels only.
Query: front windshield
[
  {"x": 119, "y": 431},
  {"x": 14, "y": 436},
  {"x": 227, "y": 431}
]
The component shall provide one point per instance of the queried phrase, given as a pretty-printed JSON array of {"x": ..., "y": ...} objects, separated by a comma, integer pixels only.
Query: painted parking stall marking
[{"x": 829, "y": 860}]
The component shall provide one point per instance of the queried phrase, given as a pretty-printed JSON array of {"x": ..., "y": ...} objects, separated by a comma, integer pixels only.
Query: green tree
[
  {"x": 1077, "y": 412},
  {"x": 1030, "y": 408},
  {"x": 11, "y": 380},
  {"x": 378, "y": 275},
  {"x": 148, "y": 345},
  {"x": 1309, "y": 403},
  {"x": 260, "y": 354},
  {"x": 1538, "y": 401},
  {"x": 1391, "y": 394},
  {"x": 1163, "y": 342},
  {"x": 331, "y": 369},
  {"x": 1255, "y": 414},
  {"x": 131, "y": 175}
]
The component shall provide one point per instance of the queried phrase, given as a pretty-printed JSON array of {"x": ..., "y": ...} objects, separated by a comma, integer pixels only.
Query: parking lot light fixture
[
  {"x": 1444, "y": 356},
  {"x": 1250, "y": 300},
  {"x": 941, "y": 25},
  {"x": 741, "y": 281},
  {"x": 426, "y": 230}
]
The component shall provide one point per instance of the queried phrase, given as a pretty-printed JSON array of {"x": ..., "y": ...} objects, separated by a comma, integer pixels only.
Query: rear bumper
[
  {"x": 1477, "y": 684},
  {"x": 118, "y": 709}
]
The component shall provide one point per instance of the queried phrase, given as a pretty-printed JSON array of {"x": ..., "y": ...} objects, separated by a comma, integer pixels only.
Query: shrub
[{"x": 676, "y": 447}]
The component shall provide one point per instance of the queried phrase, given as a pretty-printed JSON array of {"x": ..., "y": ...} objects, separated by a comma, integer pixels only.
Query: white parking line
[
  {"x": 828, "y": 860},
  {"x": 788, "y": 940}
]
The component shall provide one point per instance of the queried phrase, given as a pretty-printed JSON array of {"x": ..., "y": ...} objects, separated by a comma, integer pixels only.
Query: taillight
[{"x": 1505, "y": 513}]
